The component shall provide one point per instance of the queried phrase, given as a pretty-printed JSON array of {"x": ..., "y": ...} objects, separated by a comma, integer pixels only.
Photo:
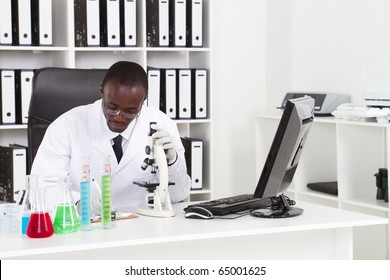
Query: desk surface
[{"x": 148, "y": 231}]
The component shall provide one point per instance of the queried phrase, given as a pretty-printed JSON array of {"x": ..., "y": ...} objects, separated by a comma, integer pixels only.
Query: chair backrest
[{"x": 55, "y": 91}]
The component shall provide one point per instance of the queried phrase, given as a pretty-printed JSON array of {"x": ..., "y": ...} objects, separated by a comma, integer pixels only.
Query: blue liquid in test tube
[
  {"x": 85, "y": 210},
  {"x": 85, "y": 195}
]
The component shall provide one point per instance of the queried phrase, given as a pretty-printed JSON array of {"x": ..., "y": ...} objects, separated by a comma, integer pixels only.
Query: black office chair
[{"x": 55, "y": 91}]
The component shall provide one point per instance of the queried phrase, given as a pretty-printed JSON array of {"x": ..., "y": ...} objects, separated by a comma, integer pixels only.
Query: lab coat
[{"x": 82, "y": 132}]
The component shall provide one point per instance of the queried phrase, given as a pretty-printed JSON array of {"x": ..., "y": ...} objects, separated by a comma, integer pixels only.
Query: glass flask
[
  {"x": 65, "y": 217},
  {"x": 39, "y": 225}
]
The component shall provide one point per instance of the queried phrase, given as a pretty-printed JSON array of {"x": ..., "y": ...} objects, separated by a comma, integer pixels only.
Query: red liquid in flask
[{"x": 39, "y": 226}]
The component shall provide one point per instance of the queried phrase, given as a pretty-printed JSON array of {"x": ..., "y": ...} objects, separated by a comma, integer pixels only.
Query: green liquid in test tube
[
  {"x": 106, "y": 199},
  {"x": 106, "y": 193}
]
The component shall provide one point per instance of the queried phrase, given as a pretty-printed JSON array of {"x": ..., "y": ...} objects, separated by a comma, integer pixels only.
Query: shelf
[
  {"x": 349, "y": 152},
  {"x": 367, "y": 202},
  {"x": 33, "y": 48},
  {"x": 154, "y": 49},
  {"x": 189, "y": 121},
  {"x": 315, "y": 194},
  {"x": 204, "y": 191},
  {"x": 13, "y": 126},
  {"x": 333, "y": 120},
  {"x": 64, "y": 53},
  {"x": 108, "y": 49}
]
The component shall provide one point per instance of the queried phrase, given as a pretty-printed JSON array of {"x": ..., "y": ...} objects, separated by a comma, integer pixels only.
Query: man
[{"x": 88, "y": 131}]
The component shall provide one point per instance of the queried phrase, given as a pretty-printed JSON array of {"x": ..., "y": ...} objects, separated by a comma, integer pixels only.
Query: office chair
[{"x": 55, "y": 91}]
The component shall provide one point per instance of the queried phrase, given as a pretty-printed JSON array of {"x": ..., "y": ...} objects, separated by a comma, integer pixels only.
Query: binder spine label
[
  {"x": 93, "y": 28},
  {"x": 26, "y": 77},
  {"x": 199, "y": 93},
  {"x": 24, "y": 22},
  {"x": 45, "y": 23},
  {"x": 113, "y": 23},
  {"x": 170, "y": 93},
  {"x": 154, "y": 77},
  {"x": 128, "y": 24},
  {"x": 194, "y": 160},
  {"x": 163, "y": 23},
  {"x": 194, "y": 23},
  {"x": 5, "y": 22},
  {"x": 180, "y": 23},
  {"x": 184, "y": 93},
  {"x": 8, "y": 96}
]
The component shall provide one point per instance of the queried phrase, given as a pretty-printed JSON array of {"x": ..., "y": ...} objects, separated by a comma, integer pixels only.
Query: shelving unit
[
  {"x": 63, "y": 53},
  {"x": 349, "y": 152}
]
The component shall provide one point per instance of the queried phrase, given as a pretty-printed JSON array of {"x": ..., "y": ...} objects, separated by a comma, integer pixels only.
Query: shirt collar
[{"x": 125, "y": 134}]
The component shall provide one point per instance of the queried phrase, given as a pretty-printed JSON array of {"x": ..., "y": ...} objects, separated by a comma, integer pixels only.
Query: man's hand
[{"x": 161, "y": 137}]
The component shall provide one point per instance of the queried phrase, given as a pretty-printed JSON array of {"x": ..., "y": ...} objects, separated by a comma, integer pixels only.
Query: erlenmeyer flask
[
  {"x": 39, "y": 225},
  {"x": 66, "y": 218}
]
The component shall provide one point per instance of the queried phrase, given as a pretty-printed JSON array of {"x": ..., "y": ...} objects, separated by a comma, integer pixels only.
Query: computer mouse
[{"x": 197, "y": 212}]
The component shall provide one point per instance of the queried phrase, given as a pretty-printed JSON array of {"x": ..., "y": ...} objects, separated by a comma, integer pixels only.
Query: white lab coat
[{"x": 83, "y": 131}]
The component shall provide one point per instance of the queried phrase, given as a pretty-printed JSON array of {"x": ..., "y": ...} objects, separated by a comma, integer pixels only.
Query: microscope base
[
  {"x": 154, "y": 213},
  {"x": 159, "y": 209}
]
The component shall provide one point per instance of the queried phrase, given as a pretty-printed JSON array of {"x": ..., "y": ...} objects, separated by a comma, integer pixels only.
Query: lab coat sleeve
[
  {"x": 178, "y": 174},
  {"x": 52, "y": 160},
  {"x": 178, "y": 170},
  {"x": 53, "y": 156}
]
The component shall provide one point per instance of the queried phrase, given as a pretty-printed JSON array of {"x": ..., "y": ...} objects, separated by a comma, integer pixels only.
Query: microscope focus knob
[{"x": 148, "y": 150}]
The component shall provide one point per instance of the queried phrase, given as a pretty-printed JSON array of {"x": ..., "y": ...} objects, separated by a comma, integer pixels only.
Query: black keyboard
[{"x": 233, "y": 204}]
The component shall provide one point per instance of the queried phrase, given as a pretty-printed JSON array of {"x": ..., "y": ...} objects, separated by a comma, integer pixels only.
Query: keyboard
[{"x": 233, "y": 204}]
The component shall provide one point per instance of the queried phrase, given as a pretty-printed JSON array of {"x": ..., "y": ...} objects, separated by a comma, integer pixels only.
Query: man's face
[{"x": 121, "y": 104}]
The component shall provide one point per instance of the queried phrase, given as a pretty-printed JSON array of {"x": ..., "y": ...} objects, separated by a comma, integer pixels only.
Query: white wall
[
  {"x": 264, "y": 48},
  {"x": 238, "y": 39},
  {"x": 327, "y": 45}
]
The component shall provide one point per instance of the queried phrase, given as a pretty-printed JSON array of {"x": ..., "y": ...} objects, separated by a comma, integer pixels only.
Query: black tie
[{"x": 118, "y": 147}]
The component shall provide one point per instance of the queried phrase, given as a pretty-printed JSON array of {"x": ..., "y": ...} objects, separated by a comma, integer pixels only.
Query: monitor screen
[{"x": 283, "y": 157}]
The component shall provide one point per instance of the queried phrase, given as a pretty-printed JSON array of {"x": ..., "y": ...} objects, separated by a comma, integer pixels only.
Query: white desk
[{"x": 320, "y": 233}]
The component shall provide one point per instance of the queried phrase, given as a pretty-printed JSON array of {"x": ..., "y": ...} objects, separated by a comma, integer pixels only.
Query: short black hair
[{"x": 127, "y": 73}]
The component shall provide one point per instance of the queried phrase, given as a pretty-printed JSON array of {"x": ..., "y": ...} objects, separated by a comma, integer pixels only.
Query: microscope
[{"x": 157, "y": 189}]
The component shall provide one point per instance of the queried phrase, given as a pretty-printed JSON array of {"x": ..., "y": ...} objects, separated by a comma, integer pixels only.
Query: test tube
[
  {"x": 26, "y": 203},
  {"x": 85, "y": 194},
  {"x": 106, "y": 193}
]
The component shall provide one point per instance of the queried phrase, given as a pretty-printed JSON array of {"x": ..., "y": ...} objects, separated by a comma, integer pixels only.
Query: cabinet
[
  {"x": 63, "y": 53},
  {"x": 349, "y": 152}
]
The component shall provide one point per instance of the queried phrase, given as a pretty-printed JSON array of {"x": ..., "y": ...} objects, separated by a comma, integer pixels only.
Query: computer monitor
[{"x": 283, "y": 157}]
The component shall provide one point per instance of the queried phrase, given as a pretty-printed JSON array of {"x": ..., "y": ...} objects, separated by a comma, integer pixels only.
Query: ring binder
[
  {"x": 5, "y": 22},
  {"x": 194, "y": 160},
  {"x": 13, "y": 170}
]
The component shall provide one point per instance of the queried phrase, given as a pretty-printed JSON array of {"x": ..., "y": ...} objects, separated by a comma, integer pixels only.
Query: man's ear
[
  {"x": 146, "y": 95},
  {"x": 101, "y": 90}
]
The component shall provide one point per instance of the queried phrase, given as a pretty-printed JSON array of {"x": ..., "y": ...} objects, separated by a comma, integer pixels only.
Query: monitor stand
[{"x": 284, "y": 211}]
